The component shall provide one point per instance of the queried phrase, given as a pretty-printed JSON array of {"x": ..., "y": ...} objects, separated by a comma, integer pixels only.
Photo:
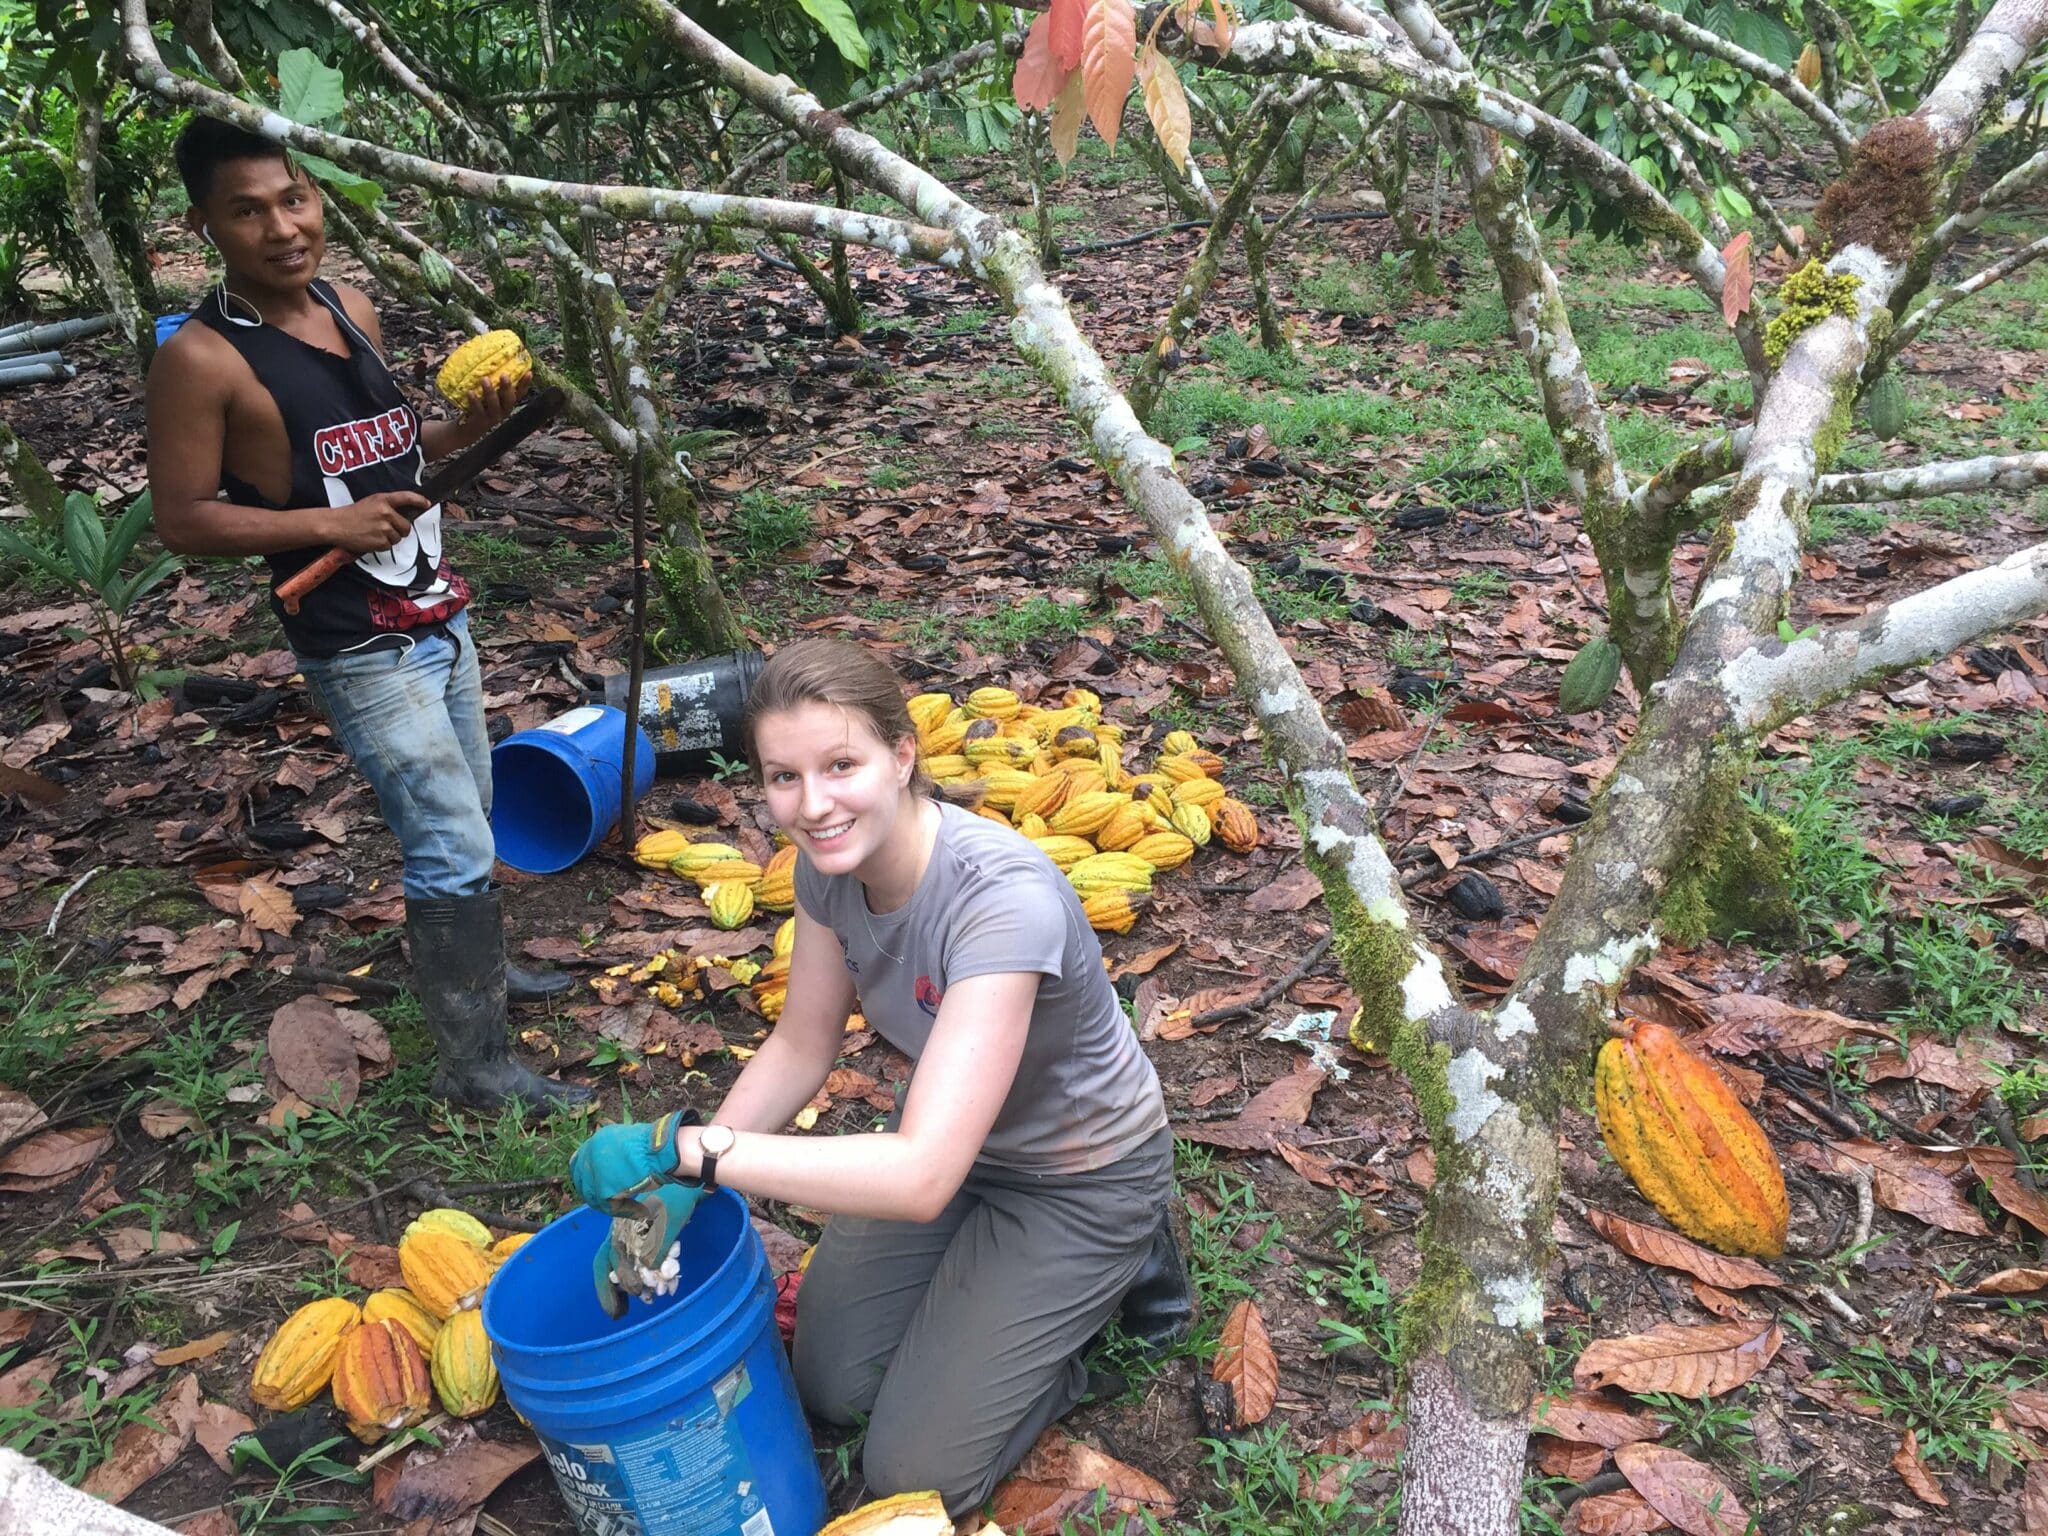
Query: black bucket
[{"x": 692, "y": 710}]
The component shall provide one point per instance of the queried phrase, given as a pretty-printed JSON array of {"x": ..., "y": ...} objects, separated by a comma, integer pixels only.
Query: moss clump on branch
[
  {"x": 1808, "y": 297},
  {"x": 1737, "y": 880},
  {"x": 1430, "y": 1307}
]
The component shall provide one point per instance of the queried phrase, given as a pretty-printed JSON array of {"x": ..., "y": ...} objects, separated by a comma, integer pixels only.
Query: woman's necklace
[{"x": 867, "y": 918}]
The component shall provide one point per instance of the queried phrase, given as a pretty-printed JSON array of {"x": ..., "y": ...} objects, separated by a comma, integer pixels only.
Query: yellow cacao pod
[
  {"x": 1083, "y": 699},
  {"x": 1033, "y": 827},
  {"x": 1004, "y": 785},
  {"x": 447, "y": 1273},
  {"x": 455, "y": 1223},
  {"x": 1235, "y": 826},
  {"x": 1146, "y": 786},
  {"x": 990, "y": 813},
  {"x": 1075, "y": 741},
  {"x": 997, "y": 752},
  {"x": 1192, "y": 823},
  {"x": 508, "y": 1245},
  {"x": 928, "y": 710},
  {"x": 1045, "y": 794},
  {"x": 1180, "y": 767},
  {"x": 785, "y": 939},
  {"x": 944, "y": 739},
  {"x": 1083, "y": 815},
  {"x": 777, "y": 890},
  {"x": 494, "y": 355},
  {"x": 1177, "y": 742},
  {"x": 656, "y": 849},
  {"x": 1115, "y": 911},
  {"x": 695, "y": 856},
  {"x": 465, "y": 1376},
  {"x": 1109, "y": 757},
  {"x": 1202, "y": 792},
  {"x": 380, "y": 1379},
  {"x": 991, "y": 704},
  {"x": 1125, "y": 826},
  {"x": 1809, "y": 65},
  {"x": 1111, "y": 872},
  {"x": 404, "y": 1309},
  {"x": 731, "y": 903},
  {"x": 727, "y": 872},
  {"x": 902, "y": 1514},
  {"x": 1065, "y": 852},
  {"x": 299, "y": 1359},
  {"x": 1164, "y": 850},
  {"x": 1677, "y": 1129},
  {"x": 949, "y": 766}
]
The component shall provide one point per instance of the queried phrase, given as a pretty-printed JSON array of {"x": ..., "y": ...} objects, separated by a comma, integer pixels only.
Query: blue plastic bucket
[
  {"x": 681, "y": 1418},
  {"x": 555, "y": 788}
]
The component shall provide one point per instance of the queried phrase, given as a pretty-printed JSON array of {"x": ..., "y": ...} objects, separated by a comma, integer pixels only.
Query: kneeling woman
[{"x": 979, "y": 1241}]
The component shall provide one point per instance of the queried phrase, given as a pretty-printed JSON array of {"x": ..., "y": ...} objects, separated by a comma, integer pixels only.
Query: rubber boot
[
  {"x": 534, "y": 984},
  {"x": 1159, "y": 1308},
  {"x": 458, "y": 968}
]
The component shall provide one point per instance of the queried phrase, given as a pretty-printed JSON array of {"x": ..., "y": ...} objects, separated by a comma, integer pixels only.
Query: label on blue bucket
[
  {"x": 573, "y": 721},
  {"x": 692, "y": 1475}
]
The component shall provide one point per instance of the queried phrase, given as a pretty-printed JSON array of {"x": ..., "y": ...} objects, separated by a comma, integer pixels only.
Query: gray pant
[{"x": 960, "y": 1339}]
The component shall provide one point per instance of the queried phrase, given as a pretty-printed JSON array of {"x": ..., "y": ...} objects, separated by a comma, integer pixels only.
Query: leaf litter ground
[{"x": 1402, "y": 509}]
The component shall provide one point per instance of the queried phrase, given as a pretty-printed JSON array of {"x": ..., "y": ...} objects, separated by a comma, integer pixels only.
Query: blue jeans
[{"x": 412, "y": 719}]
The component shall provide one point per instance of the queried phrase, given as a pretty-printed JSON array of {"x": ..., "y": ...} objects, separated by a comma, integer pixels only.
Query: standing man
[{"x": 275, "y": 393}]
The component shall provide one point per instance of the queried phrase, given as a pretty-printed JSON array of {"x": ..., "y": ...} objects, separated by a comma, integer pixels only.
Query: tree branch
[
  {"x": 1668, "y": 24},
  {"x": 1775, "y": 681},
  {"x": 371, "y": 39},
  {"x": 1909, "y": 329},
  {"x": 1658, "y": 497}
]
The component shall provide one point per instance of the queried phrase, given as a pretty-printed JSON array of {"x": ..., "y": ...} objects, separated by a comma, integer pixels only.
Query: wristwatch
[{"x": 713, "y": 1142}]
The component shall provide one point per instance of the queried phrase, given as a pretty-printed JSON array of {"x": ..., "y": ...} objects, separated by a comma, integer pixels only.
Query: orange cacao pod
[
  {"x": 380, "y": 1379},
  {"x": 1235, "y": 826}
]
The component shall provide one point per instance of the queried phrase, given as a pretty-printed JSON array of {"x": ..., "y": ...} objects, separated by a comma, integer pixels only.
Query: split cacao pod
[
  {"x": 380, "y": 1379},
  {"x": 447, "y": 1273},
  {"x": 494, "y": 355},
  {"x": 299, "y": 1359},
  {"x": 1677, "y": 1129},
  {"x": 464, "y": 1372},
  {"x": 902, "y": 1514},
  {"x": 405, "y": 1309}
]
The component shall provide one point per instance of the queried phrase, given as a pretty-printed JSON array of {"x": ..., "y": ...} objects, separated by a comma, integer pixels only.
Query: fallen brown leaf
[
  {"x": 208, "y": 1522},
  {"x": 268, "y": 906},
  {"x": 1060, "y": 1478},
  {"x": 1654, "y": 1245},
  {"x": 1572, "y": 1460},
  {"x": 1913, "y": 1471},
  {"x": 149, "y": 1445},
  {"x": 1591, "y": 1418},
  {"x": 2011, "y": 1282},
  {"x": 313, "y": 1054},
  {"x": 460, "y": 1476},
  {"x": 2030, "y": 1205},
  {"x": 1289, "y": 892},
  {"x": 19, "y": 1114},
  {"x": 2028, "y": 1407},
  {"x": 1690, "y": 1361},
  {"x": 21, "y": 1385},
  {"x": 1370, "y": 1441},
  {"x": 1745, "y": 1024},
  {"x": 127, "y": 1243},
  {"x": 1685, "y": 1492},
  {"x": 1912, "y": 1185},
  {"x": 1625, "y": 1513},
  {"x": 1245, "y": 1362},
  {"x": 48, "y": 1158},
  {"x": 217, "y": 1427},
  {"x": 163, "y": 1119},
  {"x": 132, "y": 997}
]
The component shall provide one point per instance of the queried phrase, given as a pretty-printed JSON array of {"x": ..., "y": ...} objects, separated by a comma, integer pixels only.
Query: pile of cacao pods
[
  {"x": 387, "y": 1360},
  {"x": 1056, "y": 775}
]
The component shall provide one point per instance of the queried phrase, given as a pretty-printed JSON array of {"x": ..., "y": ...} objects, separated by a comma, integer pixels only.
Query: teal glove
[
  {"x": 642, "y": 1256},
  {"x": 620, "y": 1161}
]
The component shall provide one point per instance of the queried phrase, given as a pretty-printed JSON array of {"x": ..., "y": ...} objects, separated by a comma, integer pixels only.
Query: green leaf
[
  {"x": 1726, "y": 133},
  {"x": 308, "y": 89},
  {"x": 123, "y": 595},
  {"x": 1733, "y": 204},
  {"x": 836, "y": 18},
  {"x": 357, "y": 189},
  {"x": 85, "y": 538},
  {"x": 15, "y": 546},
  {"x": 121, "y": 541},
  {"x": 224, "y": 1239}
]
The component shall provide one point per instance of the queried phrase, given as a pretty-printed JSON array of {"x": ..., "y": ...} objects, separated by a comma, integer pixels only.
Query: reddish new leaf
[
  {"x": 1691, "y": 1362},
  {"x": 1109, "y": 49},
  {"x": 1244, "y": 1360},
  {"x": 1654, "y": 1245},
  {"x": 1737, "y": 280},
  {"x": 1068, "y": 113},
  {"x": 1038, "y": 77},
  {"x": 1166, "y": 104},
  {"x": 1685, "y": 1492},
  {"x": 1068, "y": 18}
]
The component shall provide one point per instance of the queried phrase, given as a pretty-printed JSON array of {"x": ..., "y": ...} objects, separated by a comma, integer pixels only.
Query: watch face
[{"x": 716, "y": 1139}]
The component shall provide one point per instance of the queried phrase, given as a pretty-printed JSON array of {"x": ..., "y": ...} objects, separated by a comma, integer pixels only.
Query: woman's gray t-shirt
[{"x": 991, "y": 902}]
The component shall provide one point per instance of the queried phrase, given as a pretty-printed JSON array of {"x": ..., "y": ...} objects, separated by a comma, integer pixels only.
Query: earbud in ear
[{"x": 207, "y": 235}]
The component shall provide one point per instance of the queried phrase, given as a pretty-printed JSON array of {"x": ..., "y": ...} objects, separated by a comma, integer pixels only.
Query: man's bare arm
[{"x": 188, "y": 411}]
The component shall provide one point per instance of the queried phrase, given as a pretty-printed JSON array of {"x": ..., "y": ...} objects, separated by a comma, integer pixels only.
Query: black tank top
[{"x": 351, "y": 435}]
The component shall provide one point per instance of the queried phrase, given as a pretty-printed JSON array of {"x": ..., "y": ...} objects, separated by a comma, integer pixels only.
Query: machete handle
[{"x": 292, "y": 591}]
